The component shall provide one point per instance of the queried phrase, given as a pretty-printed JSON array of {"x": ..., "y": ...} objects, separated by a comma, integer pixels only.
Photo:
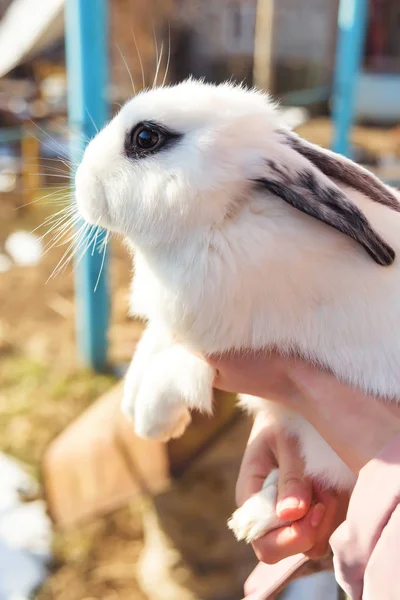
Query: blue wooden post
[
  {"x": 86, "y": 33},
  {"x": 352, "y": 25}
]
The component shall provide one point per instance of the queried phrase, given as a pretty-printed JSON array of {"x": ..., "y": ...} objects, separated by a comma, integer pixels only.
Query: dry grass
[
  {"x": 37, "y": 401},
  {"x": 98, "y": 561}
]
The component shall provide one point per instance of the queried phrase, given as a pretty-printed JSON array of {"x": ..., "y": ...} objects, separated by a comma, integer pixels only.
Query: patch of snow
[
  {"x": 25, "y": 533},
  {"x": 24, "y": 248}
]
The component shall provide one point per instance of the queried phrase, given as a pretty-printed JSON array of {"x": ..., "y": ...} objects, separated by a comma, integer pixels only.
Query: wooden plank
[
  {"x": 202, "y": 432},
  {"x": 30, "y": 154},
  {"x": 85, "y": 473},
  {"x": 263, "y": 44},
  {"x": 98, "y": 464}
]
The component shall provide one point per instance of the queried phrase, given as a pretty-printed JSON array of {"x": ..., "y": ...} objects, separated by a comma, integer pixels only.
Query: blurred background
[{"x": 47, "y": 380}]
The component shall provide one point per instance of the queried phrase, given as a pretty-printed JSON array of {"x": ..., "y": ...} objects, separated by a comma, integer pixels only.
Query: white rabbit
[{"x": 245, "y": 237}]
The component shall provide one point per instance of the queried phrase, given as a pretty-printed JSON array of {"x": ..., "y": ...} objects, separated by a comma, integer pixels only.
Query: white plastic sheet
[{"x": 28, "y": 27}]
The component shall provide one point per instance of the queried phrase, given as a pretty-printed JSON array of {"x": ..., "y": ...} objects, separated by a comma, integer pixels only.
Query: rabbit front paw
[
  {"x": 258, "y": 515},
  {"x": 158, "y": 411},
  {"x": 174, "y": 428},
  {"x": 163, "y": 427},
  {"x": 172, "y": 381}
]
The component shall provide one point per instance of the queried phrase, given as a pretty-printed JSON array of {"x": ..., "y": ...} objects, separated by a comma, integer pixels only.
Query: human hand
[
  {"x": 335, "y": 409},
  {"x": 315, "y": 512},
  {"x": 266, "y": 374}
]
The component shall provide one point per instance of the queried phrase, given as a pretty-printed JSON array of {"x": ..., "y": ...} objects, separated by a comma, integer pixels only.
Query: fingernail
[
  {"x": 317, "y": 515},
  {"x": 288, "y": 504}
]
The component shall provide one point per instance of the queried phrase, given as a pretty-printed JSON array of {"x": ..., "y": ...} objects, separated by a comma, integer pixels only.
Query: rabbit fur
[{"x": 244, "y": 236}]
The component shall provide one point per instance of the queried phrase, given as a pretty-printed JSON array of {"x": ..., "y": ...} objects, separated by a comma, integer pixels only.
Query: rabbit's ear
[
  {"x": 302, "y": 183},
  {"x": 344, "y": 170}
]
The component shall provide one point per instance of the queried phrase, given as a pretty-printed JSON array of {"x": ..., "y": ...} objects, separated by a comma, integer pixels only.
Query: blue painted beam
[
  {"x": 352, "y": 25},
  {"x": 86, "y": 27}
]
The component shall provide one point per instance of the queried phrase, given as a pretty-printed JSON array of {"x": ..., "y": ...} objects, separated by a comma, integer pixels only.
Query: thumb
[{"x": 294, "y": 489}]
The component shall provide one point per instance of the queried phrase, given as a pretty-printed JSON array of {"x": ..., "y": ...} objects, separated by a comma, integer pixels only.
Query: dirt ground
[{"x": 43, "y": 387}]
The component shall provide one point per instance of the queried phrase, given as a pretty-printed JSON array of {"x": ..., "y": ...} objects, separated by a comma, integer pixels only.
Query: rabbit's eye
[{"x": 147, "y": 138}]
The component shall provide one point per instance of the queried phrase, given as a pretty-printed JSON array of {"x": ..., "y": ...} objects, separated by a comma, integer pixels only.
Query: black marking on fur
[
  {"x": 331, "y": 206},
  {"x": 168, "y": 138},
  {"x": 344, "y": 170},
  {"x": 278, "y": 169}
]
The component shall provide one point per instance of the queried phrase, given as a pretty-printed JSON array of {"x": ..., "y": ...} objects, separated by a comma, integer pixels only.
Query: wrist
[{"x": 304, "y": 379}]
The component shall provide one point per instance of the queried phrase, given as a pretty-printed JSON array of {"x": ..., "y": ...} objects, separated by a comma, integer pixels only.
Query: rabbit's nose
[{"x": 90, "y": 196}]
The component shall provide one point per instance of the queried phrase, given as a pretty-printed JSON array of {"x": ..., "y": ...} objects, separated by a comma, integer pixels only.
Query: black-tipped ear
[
  {"x": 317, "y": 196},
  {"x": 344, "y": 170}
]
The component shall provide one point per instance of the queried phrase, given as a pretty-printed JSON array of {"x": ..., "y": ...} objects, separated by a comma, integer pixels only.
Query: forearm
[
  {"x": 367, "y": 544},
  {"x": 341, "y": 413}
]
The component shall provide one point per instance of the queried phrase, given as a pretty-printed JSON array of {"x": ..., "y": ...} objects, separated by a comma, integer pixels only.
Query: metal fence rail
[{"x": 87, "y": 69}]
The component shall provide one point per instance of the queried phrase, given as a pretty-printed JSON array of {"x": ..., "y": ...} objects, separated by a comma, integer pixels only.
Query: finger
[
  {"x": 294, "y": 489},
  {"x": 335, "y": 513},
  {"x": 298, "y": 538},
  {"x": 256, "y": 465}
]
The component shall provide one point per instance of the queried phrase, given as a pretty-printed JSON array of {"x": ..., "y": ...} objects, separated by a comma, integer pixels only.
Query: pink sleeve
[
  {"x": 266, "y": 580},
  {"x": 367, "y": 545}
]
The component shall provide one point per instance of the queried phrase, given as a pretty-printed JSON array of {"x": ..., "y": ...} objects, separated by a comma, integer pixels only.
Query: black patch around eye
[{"x": 147, "y": 138}]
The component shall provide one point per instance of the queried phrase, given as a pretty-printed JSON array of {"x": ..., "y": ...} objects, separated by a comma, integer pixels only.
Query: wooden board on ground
[{"x": 98, "y": 464}]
